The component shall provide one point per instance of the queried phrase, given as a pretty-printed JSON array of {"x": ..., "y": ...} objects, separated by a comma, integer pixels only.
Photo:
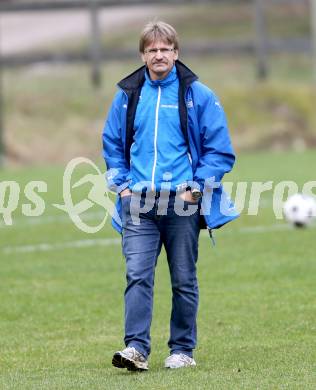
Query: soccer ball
[{"x": 300, "y": 210}]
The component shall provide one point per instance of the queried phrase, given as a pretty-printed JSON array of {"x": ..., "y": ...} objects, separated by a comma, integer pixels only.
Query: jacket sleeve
[
  {"x": 217, "y": 155},
  {"x": 113, "y": 149}
]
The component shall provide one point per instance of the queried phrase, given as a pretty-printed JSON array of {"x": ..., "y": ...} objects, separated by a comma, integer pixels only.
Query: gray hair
[{"x": 158, "y": 30}]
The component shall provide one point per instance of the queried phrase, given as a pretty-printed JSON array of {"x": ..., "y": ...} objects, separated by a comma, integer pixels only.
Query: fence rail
[
  {"x": 31, "y": 6},
  {"x": 274, "y": 46},
  {"x": 261, "y": 46}
]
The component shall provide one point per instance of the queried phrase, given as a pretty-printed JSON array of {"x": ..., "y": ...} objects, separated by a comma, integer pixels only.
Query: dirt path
[{"x": 24, "y": 31}]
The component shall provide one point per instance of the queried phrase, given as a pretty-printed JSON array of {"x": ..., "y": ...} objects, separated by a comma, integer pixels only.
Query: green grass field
[{"x": 62, "y": 305}]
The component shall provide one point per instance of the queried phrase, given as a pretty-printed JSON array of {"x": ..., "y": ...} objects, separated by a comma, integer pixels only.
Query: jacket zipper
[
  {"x": 190, "y": 158},
  {"x": 130, "y": 157},
  {"x": 155, "y": 140}
]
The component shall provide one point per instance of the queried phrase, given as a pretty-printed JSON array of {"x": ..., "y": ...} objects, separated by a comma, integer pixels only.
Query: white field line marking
[
  {"x": 259, "y": 229},
  {"x": 263, "y": 228},
  {"x": 46, "y": 247},
  {"x": 42, "y": 220},
  {"x": 250, "y": 229}
]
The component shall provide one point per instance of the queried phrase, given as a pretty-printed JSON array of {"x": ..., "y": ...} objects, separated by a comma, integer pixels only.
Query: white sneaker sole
[{"x": 173, "y": 366}]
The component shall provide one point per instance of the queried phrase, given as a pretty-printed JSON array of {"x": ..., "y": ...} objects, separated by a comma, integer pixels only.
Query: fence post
[
  {"x": 261, "y": 40},
  {"x": 2, "y": 146},
  {"x": 313, "y": 23},
  {"x": 95, "y": 44}
]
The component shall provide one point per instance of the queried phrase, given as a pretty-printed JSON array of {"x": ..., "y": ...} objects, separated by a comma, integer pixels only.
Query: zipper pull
[{"x": 211, "y": 236}]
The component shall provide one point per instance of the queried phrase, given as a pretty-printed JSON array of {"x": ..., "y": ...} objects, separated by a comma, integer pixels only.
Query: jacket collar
[
  {"x": 136, "y": 79},
  {"x": 169, "y": 79}
]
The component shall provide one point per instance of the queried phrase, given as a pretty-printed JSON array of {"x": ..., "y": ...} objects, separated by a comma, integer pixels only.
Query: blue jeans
[{"x": 141, "y": 247}]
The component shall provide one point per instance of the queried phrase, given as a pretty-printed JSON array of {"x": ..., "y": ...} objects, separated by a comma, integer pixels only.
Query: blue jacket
[
  {"x": 203, "y": 149},
  {"x": 159, "y": 149}
]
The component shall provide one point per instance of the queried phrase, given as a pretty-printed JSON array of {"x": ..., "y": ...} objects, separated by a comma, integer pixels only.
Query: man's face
[{"x": 159, "y": 62}]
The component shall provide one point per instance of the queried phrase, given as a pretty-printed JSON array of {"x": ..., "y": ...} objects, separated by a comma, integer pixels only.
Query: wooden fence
[{"x": 260, "y": 46}]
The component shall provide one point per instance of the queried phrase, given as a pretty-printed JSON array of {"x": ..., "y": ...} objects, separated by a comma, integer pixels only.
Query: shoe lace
[
  {"x": 180, "y": 356},
  {"x": 134, "y": 354}
]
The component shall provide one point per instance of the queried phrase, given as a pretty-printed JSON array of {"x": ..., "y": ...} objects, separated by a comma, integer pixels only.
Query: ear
[
  {"x": 143, "y": 57},
  {"x": 176, "y": 55}
]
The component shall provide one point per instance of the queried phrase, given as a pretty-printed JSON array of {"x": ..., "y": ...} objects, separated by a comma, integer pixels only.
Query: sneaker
[
  {"x": 178, "y": 360},
  {"x": 131, "y": 359}
]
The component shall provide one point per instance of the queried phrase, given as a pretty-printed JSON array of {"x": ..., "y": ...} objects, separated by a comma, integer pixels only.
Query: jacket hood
[{"x": 137, "y": 78}]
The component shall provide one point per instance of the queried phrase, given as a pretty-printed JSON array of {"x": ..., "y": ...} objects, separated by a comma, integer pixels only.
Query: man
[{"x": 165, "y": 142}]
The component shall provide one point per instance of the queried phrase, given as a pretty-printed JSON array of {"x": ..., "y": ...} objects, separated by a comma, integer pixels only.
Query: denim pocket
[{"x": 126, "y": 202}]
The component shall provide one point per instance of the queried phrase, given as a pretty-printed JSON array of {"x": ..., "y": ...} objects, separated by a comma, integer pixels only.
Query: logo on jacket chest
[{"x": 174, "y": 106}]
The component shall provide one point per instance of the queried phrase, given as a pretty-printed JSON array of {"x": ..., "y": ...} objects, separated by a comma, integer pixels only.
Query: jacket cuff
[
  {"x": 194, "y": 185},
  {"x": 122, "y": 187}
]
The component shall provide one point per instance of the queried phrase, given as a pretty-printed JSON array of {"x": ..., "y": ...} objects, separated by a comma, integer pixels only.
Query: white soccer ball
[{"x": 300, "y": 210}]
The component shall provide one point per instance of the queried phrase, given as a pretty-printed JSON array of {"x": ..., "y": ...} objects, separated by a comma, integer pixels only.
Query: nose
[{"x": 159, "y": 55}]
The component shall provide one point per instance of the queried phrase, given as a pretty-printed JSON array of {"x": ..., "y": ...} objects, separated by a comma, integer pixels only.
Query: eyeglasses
[{"x": 163, "y": 50}]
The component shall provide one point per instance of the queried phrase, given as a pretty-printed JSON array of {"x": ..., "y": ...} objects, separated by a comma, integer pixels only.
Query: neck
[{"x": 158, "y": 76}]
